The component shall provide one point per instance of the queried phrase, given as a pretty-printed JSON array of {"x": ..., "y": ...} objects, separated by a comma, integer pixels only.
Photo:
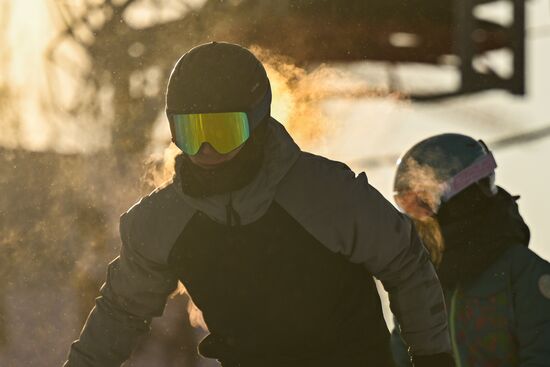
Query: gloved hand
[{"x": 433, "y": 360}]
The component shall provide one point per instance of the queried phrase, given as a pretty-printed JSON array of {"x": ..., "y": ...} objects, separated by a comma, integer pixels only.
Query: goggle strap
[
  {"x": 255, "y": 115},
  {"x": 481, "y": 168}
]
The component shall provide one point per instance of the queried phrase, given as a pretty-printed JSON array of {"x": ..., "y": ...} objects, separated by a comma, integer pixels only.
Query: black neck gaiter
[
  {"x": 473, "y": 242},
  {"x": 228, "y": 177}
]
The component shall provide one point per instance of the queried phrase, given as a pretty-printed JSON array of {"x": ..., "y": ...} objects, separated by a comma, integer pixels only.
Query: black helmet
[
  {"x": 219, "y": 77},
  {"x": 440, "y": 167}
]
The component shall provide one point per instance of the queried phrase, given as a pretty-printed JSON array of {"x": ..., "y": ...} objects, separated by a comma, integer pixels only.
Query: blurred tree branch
[
  {"x": 103, "y": 36},
  {"x": 9, "y": 118}
]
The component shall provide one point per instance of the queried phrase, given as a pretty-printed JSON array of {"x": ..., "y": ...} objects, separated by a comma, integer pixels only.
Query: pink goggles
[{"x": 481, "y": 168}]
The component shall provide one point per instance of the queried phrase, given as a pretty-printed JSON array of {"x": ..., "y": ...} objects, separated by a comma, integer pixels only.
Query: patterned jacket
[{"x": 503, "y": 318}]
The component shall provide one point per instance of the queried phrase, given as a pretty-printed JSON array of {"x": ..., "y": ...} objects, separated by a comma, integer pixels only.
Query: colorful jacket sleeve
[
  {"x": 531, "y": 292},
  {"x": 135, "y": 291}
]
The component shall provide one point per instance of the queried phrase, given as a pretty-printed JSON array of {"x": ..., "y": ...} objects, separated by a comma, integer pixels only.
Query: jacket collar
[{"x": 252, "y": 201}]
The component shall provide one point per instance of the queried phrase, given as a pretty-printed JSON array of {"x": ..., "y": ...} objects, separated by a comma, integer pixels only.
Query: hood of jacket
[{"x": 476, "y": 241}]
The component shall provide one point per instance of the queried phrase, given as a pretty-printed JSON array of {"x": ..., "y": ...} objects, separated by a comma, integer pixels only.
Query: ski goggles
[
  {"x": 481, "y": 168},
  {"x": 224, "y": 131}
]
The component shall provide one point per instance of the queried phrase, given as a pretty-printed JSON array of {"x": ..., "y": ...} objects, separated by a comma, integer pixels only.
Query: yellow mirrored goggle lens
[{"x": 225, "y": 131}]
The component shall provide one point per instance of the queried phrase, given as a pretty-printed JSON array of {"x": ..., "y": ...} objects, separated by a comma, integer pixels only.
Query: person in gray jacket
[{"x": 277, "y": 247}]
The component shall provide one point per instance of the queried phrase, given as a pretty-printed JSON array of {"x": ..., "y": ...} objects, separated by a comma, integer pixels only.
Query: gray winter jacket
[{"x": 340, "y": 210}]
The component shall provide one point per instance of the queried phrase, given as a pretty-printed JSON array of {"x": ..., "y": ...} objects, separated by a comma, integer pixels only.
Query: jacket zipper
[{"x": 231, "y": 213}]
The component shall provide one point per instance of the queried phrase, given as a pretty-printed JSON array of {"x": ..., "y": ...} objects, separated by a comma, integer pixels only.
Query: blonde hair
[{"x": 429, "y": 232}]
